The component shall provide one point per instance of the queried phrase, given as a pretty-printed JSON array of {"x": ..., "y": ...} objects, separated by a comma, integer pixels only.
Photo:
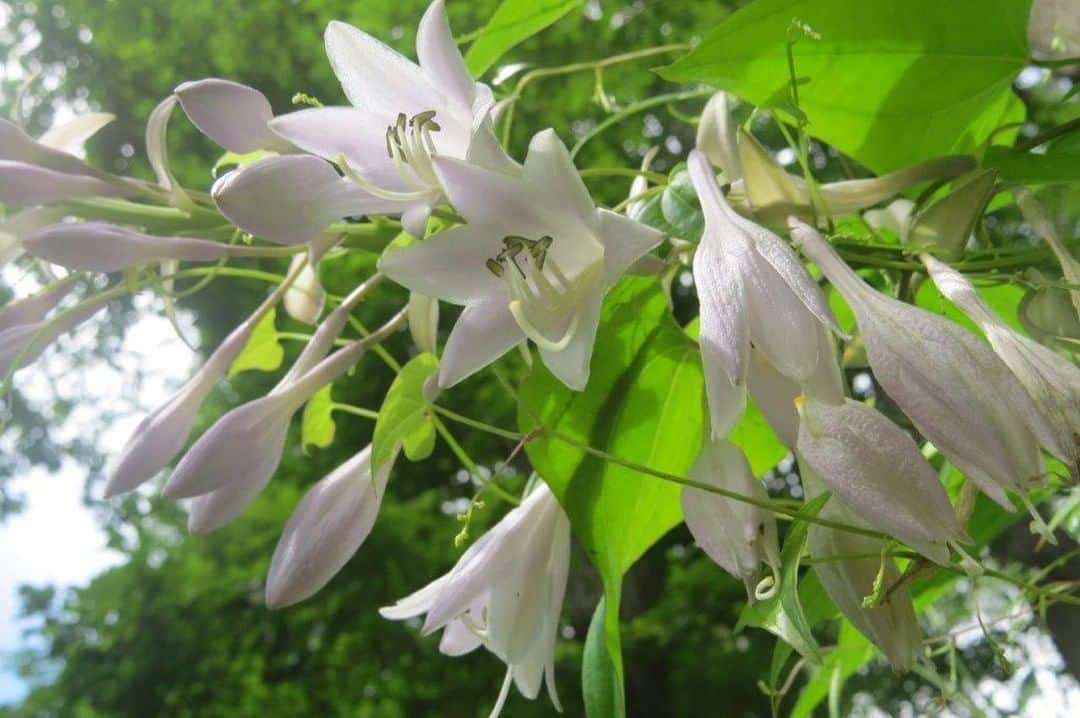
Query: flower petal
[
  {"x": 415, "y": 604},
  {"x": 554, "y": 181},
  {"x": 70, "y": 136},
  {"x": 441, "y": 61},
  {"x": 233, "y": 115},
  {"x": 450, "y": 265},
  {"x": 717, "y": 138},
  {"x": 17, "y": 146},
  {"x": 101, "y": 247},
  {"x": 486, "y": 197},
  {"x": 24, "y": 185},
  {"x": 625, "y": 242},
  {"x": 305, "y": 298},
  {"x": 571, "y": 365},
  {"x": 483, "y": 333},
  {"x": 291, "y": 199}
]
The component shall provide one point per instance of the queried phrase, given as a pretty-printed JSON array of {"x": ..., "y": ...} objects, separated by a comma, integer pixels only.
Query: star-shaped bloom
[
  {"x": 532, "y": 262},
  {"x": 403, "y": 115}
]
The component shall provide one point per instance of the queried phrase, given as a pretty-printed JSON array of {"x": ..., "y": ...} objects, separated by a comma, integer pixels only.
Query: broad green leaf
[
  {"x": 317, "y": 423},
  {"x": 513, "y": 22},
  {"x": 644, "y": 404},
  {"x": 680, "y": 207},
  {"x": 263, "y": 350},
  {"x": 783, "y": 614},
  {"x": 403, "y": 419},
  {"x": 847, "y": 656},
  {"x": 1013, "y": 165},
  {"x": 872, "y": 86},
  {"x": 599, "y": 685}
]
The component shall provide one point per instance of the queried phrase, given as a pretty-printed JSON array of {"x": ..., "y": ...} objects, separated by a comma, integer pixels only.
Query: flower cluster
[{"x": 528, "y": 255}]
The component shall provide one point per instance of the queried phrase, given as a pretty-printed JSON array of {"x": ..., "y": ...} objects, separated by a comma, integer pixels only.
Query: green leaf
[
  {"x": 599, "y": 683},
  {"x": 1056, "y": 165},
  {"x": 317, "y": 423},
  {"x": 680, "y": 207},
  {"x": 871, "y": 86},
  {"x": 513, "y": 22},
  {"x": 263, "y": 351},
  {"x": 403, "y": 419},
  {"x": 644, "y": 404},
  {"x": 783, "y": 613},
  {"x": 1004, "y": 299},
  {"x": 849, "y": 654}
]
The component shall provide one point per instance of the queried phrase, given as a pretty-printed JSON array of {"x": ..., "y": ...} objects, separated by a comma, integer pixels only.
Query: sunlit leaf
[
  {"x": 263, "y": 351},
  {"x": 317, "y": 423},
  {"x": 404, "y": 419},
  {"x": 513, "y": 22}
]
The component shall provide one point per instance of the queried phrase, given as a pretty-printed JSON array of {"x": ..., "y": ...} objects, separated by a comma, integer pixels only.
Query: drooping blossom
[
  {"x": 878, "y": 470},
  {"x": 1050, "y": 379},
  {"x": 505, "y": 593},
  {"x": 753, "y": 290},
  {"x": 739, "y": 536},
  {"x": 532, "y": 262},
  {"x": 847, "y": 564},
  {"x": 404, "y": 114},
  {"x": 325, "y": 530},
  {"x": 952, "y": 386}
]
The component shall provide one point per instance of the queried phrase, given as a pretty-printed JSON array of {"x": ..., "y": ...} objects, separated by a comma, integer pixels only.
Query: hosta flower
[
  {"x": 22, "y": 344},
  {"x": 717, "y": 136},
  {"x": 325, "y": 530},
  {"x": 27, "y": 185},
  {"x": 1051, "y": 379},
  {"x": 951, "y": 385},
  {"x": 877, "y": 469},
  {"x": 739, "y": 536},
  {"x": 235, "y": 116},
  {"x": 508, "y": 590},
  {"x": 1037, "y": 216},
  {"x": 100, "y": 247},
  {"x": 403, "y": 115},
  {"x": 34, "y": 308},
  {"x": 753, "y": 290},
  {"x": 847, "y": 564},
  {"x": 304, "y": 299},
  {"x": 532, "y": 262}
]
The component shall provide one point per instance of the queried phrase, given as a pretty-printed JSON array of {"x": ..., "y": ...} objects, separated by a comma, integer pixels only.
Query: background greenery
[{"x": 180, "y": 629}]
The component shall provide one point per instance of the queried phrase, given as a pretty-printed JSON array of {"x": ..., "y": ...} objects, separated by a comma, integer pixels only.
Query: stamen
[
  {"x": 532, "y": 332},
  {"x": 377, "y": 191}
]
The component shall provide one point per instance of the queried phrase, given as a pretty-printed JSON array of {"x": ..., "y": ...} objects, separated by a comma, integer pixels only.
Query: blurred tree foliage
[{"x": 180, "y": 629}]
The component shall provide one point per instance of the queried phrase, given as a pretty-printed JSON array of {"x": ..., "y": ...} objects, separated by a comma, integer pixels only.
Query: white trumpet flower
[
  {"x": 532, "y": 262},
  {"x": 877, "y": 469},
  {"x": 326, "y": 529},
  {"x": 737, "y": 535},
  {"x": 1051, "y": 379},
  {"x": 507, "y": 591},
  {"x": 952, "y": 386},
  {"x": 753, "y": 290}
]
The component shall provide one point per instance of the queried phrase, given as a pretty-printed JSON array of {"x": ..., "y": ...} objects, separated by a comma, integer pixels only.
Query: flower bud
[
  {"x": 424, "y": 321},
  {"x": 305, "y": 298},
  {"x": 947, "y": 223},
  {"x": 101, "y": 247},
  {"x": 33, "y": 309},
  {"x": 22, "y": 344},
  {"x": 736, "y": 535},
  {"x": 952, "y": 386},
  {"x": 325, "y": 530},
  {"x": 233, "y": 115},
  {"x": 876, "y": 468},
  {"x": 21, "y": 224},
  {"x": 25, "y": 185},
  {"x": 891, "y": 624}
]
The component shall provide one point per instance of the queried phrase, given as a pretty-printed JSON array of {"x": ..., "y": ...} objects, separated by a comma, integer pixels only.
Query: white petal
[
  {"x": 625, "y": 242},
  {"x": 783, "y": 259},
  {"x": 571, "y": 365},
  {"x": 233, "y": 115},
  {"x": 415, "y": 604},
  {"x": 441, "y": 61},
  {"x": 291, "y": 199},
  {"x": 34, "y": 308},
  {"x": 424, "y": 321},
  {"x": 555, "y": 182},
  {"x": 305, "y": 298},
  {"x": 450, "y": 265},
  {"x": 375, "y": 77},
  {"x": 458, "y": 639},
  {"x": 491, "y": 198},
  {"x": 100, "y": 247},
  {"x": 483, "y": 333},
  {"x": 70, "y": 136},
  {"x": 716, "y": 136},
  {"x": 774, "y": 394},
  {"x": 17, "y": 146},
  {"x": 780, "y": 325},
  {"x": 157, "y": 151}
]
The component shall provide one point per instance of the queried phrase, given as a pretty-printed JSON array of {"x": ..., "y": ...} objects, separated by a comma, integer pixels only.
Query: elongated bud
[
  {"x": 1051, "y": 380},
  {"x": 101, "y": 247},
  {"x": 33, "y": 309},
  {"x": 25, "y": 185},
  {"x": 740, "y": 537},
  {"x": 233, "y": 115},
  {"x": 717, "y": 136},
  {"x": 424, "y": 321},
  {"x": 1043, "y": 224},
  {"x": 159, "y": 437},
  {"x": 948, "y": 222},
  {"x": 22, "y": 344},
  {"x": 874, "y": 466},
  {"x": 305, "y": 299},
  {"x": 952, "y": 386},
  {"x": 325, "y": 530},
  {"x": 891, "y": 624}
]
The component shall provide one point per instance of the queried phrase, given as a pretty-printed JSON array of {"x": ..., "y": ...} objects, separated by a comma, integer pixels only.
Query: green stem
[
  {"x": 355, "y": 410},
  {"x": 635, "y": 108},
  {"x": 476, "y": 424},
  {"x": 1048, "y": 134}
]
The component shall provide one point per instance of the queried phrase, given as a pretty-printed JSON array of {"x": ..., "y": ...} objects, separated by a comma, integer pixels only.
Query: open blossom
[
  {"x": 753, "y": 290},
  {"x": 403, "y": 115},
  {"x": 878, "y": 470},
  {"x": 737, "y": 535},
  {"x": 847, "y": 564},
  {"x": 326, "y": 529},
  {"x": 952, "y": 386},
  {"x": 1051, "y": 379},
  {"x": 506, "y": 593},
  {"x": 532, "y": 262}
]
